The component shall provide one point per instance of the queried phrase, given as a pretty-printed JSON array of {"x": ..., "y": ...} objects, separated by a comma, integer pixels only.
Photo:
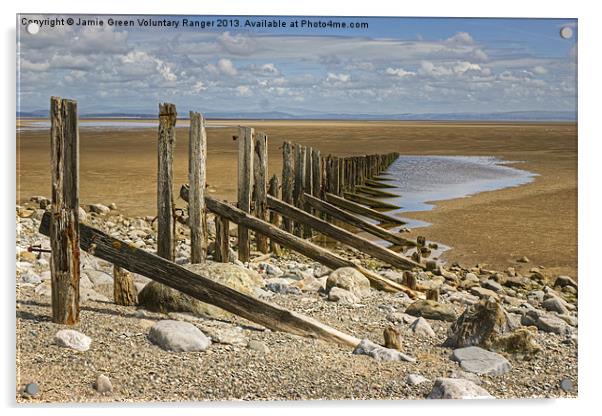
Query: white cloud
[
  {"x": 226, "y": 67},
  {"x": 243, "y": 90},
  {"x": 540, "y": 70},
  {"x": 462, "y": 67},
  {"x": 165, "y": 70},
  {"x": 399, "y": 72},
  {"x": 237, "y": 44},
  {"x": 428, "y": 68},
  {"x": 26, "y": 65},
  {"x": 199, "y": 86},
  {"x": 332, "y": 77},
  {"x": 461, "y": 38}
]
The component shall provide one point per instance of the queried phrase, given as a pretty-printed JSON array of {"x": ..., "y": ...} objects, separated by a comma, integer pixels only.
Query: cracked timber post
[
  {"x": 197, "y": 156},
  {"x": 245, "y": 185},
  {"x": 64, "y": 226},
  {"x": 166, "y": 225}
]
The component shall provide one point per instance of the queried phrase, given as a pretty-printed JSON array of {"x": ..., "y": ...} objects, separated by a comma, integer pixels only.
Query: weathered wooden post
[
  {"x": 287, "y": 180},
  {"x": 222, "y": 240},
  {"x": 316, "y": 175},
  {"x": 197, "y": 159},
  {"x": 308, "y": 185},
  {"x": 166, "y": 225},
  {"x": 274, "y": 217},
  {"x": 260, "y": 173},
  {"x": 124, "y": 290},
  {"x": 64, "y": 226},
  {"x": 245, "y": 185},
  {"x": 299, "y": 187}
]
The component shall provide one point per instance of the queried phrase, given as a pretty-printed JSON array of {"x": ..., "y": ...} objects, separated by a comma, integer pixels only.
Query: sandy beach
[{"x": 537, "y": 220}]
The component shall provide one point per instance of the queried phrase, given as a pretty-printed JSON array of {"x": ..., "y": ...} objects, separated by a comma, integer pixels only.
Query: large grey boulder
[
  {"x": 431, "y": 309},
  {"x": 349, "y": 279},
  {"x": 480, "y": 361},
  {"x": 380, "y": 353},
  {"x": 457, "y": 388},
  {"x": 178, "y": 336},
  {"x": 157, "y": 297}
]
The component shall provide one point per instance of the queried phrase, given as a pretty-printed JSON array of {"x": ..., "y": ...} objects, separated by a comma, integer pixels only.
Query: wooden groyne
[{"x": 313, "y": 190}]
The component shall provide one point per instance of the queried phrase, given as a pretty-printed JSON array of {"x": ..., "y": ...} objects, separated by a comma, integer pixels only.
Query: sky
[{"x": 393, "y": 66}]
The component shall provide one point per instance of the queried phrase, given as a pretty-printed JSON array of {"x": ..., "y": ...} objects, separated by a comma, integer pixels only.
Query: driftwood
[
  {"x": 379, "y": 193},
  {"x": 371, "y": 202},
  {"x": 64, "y": 230},
  {"x": 202, "y": 288},
  {"x": 342, "y": 235},
  {"x": 302, "y": 246},
  {"x": 351, "y": 219},
  {"x": 377, "y": 184},
  {"x": 361, "y": 209}
]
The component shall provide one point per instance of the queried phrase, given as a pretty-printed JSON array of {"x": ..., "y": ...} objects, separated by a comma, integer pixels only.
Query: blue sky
[{"x": 396, "y": 65}]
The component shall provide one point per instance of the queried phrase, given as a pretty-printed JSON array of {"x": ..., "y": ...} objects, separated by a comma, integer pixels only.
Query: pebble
[
  {"x": 99, "y": 209},
  {"x": 421, "y": 327},
  {"x": 415, "y": 379},
  {"x": 32, "y": 389},
  {"x": 31, "y": 277},
  {"x": 430, "y": 309},
  {"x": 103, "y": 384},
  {"x": 492, "y": 285},
  {"x": 457, "y": 388},
  {"x": 379, "y": 353},
  {"x": 337, "y": 294},
  {"x": 258, "y": 346},
  {"x": 554, "y": 304},
  {"x": 566, "y": 385},
  {"x": 178, "y": 336},
  {"x": 70, "y": 338},
  {"x": 523, "y": 259}
]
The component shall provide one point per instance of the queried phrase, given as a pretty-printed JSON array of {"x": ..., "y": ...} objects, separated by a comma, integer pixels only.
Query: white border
[{"x": 589, "y": 184}]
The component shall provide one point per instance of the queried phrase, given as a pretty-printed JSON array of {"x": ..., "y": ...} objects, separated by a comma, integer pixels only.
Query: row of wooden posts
[{"x": 312, "y": 187}]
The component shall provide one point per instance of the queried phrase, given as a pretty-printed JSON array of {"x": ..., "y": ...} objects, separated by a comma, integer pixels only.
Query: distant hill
[{"x": 279, "y": 115}]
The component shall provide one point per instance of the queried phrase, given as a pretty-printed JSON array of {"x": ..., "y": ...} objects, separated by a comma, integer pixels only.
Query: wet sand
[{"x": 537, "y": 220}]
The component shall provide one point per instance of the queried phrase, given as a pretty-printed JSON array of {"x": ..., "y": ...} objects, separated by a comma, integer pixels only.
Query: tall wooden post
[
  {"x": 316, "y": 176},
  {"x": 274, "y": 217},
  {"x": 308, "y": 186},
  {"x": 287, "y": 180},
  {"x": 197, "y": 156},
  {"x": 64, "y": 226},
  {"x": 245, "y": 185},
  {"x": 299, "y": 187},
  {"x": 260, "y": 173},
  {"x": 222, "y": 240},
  {"x": 166, "y": 225}
]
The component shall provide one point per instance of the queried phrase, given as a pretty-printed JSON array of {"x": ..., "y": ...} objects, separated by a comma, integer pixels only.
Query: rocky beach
[{"x": 480, "y": 332}]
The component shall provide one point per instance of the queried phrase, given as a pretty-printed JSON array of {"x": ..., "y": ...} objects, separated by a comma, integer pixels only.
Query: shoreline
[{"x": 540, "y": 217}]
